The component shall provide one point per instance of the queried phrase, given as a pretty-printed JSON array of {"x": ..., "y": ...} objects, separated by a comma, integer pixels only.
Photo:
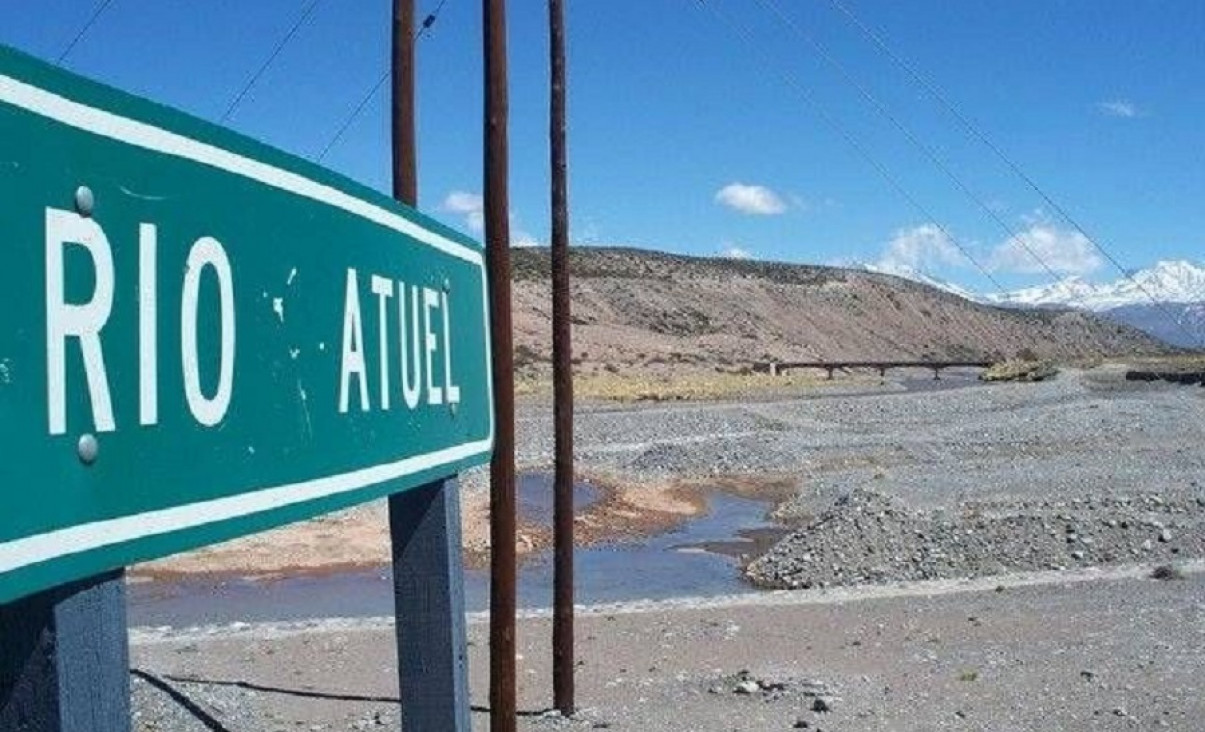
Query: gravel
[
  {"x": 867, "y": 536},
  {"x": 1024, "y": 440},
  {"x": 1081, "y": 470}
]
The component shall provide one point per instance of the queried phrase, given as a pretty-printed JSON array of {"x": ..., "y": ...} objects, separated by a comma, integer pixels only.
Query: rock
[
  {"x": 1165, "y": 536},
  {"x": 1167, "y": 572},
  {"x": 822, "y": 704},
  {"x": 747, "y": 687},
  {"x": 1077, "y": 555},
  {"x": 801, "y": 723}
]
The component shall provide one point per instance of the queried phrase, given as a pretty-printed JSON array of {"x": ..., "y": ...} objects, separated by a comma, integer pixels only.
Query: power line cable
[
  {"x": 428, "y": 22},
  {"x": 307, "y": 11},
  {"x": 926, "y": 150},
  {"x": 834, "y": 124},
  {"x": 96, "y": 13},
  {"x": 879, "y": 42},
  {"x": 355, "y": 113},
  {"x": 929, "y": 153}
]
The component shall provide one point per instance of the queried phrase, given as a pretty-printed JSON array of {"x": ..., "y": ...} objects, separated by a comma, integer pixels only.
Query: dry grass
[
  {"x": 697, "y": 386},
  {"x": 1017, "y": 370}
]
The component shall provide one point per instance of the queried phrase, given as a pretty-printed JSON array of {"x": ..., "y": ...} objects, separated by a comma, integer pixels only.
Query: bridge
[{"x": 777, "y": 367}]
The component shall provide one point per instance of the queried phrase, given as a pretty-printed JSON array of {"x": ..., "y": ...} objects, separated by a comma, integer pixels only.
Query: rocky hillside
[{"x": 634, "y": 307}]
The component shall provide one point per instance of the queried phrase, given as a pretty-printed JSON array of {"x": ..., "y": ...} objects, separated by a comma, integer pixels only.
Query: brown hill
[{"x": 635, "y": 307}]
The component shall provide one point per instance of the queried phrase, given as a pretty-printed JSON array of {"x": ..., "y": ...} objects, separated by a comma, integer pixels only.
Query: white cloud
[
  {"x": 920, "y": 248},
  {"x": 472, "y": 207},
  {"x": 469, "y": 205},
  {"x": 520, "y": 238},
  {"x": 751, "y": 199},
  {"x": 730, "y": 250},
  {"x": 1062, "y": 250},
  {"x": 1119, "y": 108}
]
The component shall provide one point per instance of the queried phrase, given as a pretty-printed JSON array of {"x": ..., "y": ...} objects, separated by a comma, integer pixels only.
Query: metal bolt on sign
[
  {"x": 84, "y": 201},
  {"x": 87, "y": 448}
]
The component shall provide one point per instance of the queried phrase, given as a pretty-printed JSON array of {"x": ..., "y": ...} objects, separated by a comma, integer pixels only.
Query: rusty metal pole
[
  {"x": 502, "y": 466},
  {"x": 405, "y": 162},
  {"x": 562, "y": 376},
  {"x": 424, "y": 522}
]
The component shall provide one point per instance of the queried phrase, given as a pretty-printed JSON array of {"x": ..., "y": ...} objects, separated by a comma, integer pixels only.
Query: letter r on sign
[{"x": 67, "y": 320}]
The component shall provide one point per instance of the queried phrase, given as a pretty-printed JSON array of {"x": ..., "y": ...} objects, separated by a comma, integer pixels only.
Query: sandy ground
[
  {"x": 359, "y": 537},
  {"x": 1100, "y": 650}
]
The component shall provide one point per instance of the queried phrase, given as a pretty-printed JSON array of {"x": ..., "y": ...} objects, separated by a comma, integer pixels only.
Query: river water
[{"x": 701, "y": 558}]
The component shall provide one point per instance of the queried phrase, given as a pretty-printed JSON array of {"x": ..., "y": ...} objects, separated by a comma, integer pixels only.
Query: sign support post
[
  {"x": 428, "y": 585},
  {"x": 64, "y": 666}
]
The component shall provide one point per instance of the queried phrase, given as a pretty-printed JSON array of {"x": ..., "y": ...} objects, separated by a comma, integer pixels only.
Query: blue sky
[{"x": 685, "y": 138}]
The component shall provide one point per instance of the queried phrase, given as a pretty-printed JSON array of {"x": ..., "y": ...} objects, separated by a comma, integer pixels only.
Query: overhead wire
[
  {"x": 349, "y": 119},
  {"x": 926, "y": 150},
  {"x": 880, "y": 43},
  {"x": 430, "y": 20},
  {"x": 83, "y": 31},
  {"x": 306, "y": 12},
  {"x": 833, "y": 123},
  {"x": 427, "y": 24}
]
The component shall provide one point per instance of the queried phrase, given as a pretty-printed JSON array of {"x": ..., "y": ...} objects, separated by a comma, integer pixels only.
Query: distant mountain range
[
  {"x": 1166, "y": 300},
  {"x": 639, "y": 311},
  {"x": 1178, "y": 281}
]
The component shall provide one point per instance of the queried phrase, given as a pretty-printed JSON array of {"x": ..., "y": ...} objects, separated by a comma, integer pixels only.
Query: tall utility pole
[
  {"x": 405, "y": 158},
  {"x": 424, "y": 523},
  {"x": 562, "y": 375},
  {"x": 502, "y": 466}
]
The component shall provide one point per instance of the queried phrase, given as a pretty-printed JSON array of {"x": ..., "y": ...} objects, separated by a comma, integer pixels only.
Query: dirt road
[{"x": 1116, "y": 653}]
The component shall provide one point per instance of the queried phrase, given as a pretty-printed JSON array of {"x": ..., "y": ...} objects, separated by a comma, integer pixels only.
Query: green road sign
[{"x": 203, "y": 337}]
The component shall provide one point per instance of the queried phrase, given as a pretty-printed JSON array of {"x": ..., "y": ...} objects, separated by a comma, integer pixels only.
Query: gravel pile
[{"x": 869, "y": 537}]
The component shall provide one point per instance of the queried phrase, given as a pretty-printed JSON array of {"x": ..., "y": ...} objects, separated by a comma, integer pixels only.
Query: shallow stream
[{"x": 699, "y": 558}]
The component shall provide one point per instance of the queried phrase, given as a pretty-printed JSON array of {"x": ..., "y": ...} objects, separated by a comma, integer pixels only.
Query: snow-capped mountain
[
  {"x": 1178, "y": 281},
  {"x": 911, "y": 273},
  {"x": 1166, "y": 300}
]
